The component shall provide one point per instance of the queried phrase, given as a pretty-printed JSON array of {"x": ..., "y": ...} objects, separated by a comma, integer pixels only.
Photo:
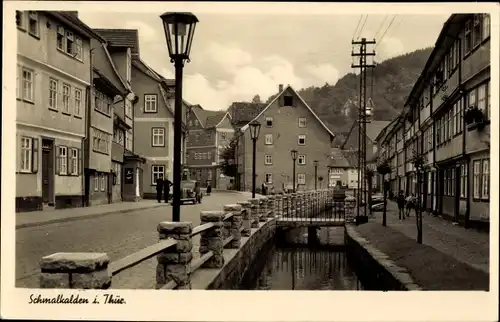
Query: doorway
[{"x": 48, "y": 172}]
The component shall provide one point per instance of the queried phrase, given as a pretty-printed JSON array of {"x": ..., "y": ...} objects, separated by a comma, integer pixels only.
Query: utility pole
[{"x": 363, "y": 118}]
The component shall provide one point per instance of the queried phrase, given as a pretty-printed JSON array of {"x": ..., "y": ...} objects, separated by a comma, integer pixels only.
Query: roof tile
[{"x": 121, "y": 38}]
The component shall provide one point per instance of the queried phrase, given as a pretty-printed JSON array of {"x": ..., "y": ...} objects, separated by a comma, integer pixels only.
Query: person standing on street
[
  {"x": 167, "y": 185},
  {"x": 159, "y": 187},
  {"x": 401, "y": 204}
]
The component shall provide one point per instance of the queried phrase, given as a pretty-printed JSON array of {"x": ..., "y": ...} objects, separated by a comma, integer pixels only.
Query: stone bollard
[
  {"x": 75, "y": 270},
  {"x": 255, "y": 212},
  {"x": 262, "y": 209},
  {"x": 247, "y": 218},
  {"x": 174, "y": 263},
  {"x": 270, "y": 207},
  {"x": 236, "y": 222},
  {"x": 211, "y": 239}
]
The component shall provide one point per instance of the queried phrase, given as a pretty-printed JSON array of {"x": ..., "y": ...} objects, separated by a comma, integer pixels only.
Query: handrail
[
  {"x": 201, "y": 228},
  {"x": 227, "y": 216},
  {"x": 119, "y": 265},
  {"x": 227, "y": 241},
  {"x": 195, "y": 264}
]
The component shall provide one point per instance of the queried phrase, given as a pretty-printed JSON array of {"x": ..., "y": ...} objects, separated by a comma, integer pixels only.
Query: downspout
[{"x": 86, "y": 140}]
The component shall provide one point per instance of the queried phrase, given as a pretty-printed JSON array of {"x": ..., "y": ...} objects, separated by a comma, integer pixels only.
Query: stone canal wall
[{"x": 374, "y": 268}]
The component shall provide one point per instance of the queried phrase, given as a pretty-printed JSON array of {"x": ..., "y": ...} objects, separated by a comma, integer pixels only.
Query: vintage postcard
[{"x": 190, "y": 161}]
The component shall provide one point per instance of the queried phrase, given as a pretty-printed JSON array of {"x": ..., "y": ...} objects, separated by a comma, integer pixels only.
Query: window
[
  {"x": 70, "y": 42},
  {"x": 302, "y": 139},
  {"x": 128, "y": 108},
  {"x": 158, "y": 136},
  {"x": 78, "y": 102},
  {"x": 463, "y": 181},
  {"x": 209, "y": 175},
  {"x": 103, "y": 182},
  {"x": 100, "y": 141},
  {"x": 476, "y": 178},
  {"x": 20, "y": 19},
  {"x": 129, "y": 140},
  {"x": 102, "y": 103},
  {"x": 63, "y": 160},
  {"x": 476, "y": 30},
  {"x": 269, "y": 139},
  {"x": 488, "y": 106},
  {"x": 74, "y": 161},
  {"x": 209, "y": 155},
  {"x": 485, "y": 180},
  {"x": 269, "y": 178},
  {"x": 302, "y": 122},
  {"x": 481, "y": 97},
  {"x": 156, "y": 172},
  {"x": 301, "y": 178},
  {"x": 60, "y": 38},
  {"x": 452, "y": 182},
  {"x": 118, "y": 135},
  {"x": 467, "y": 38},
  {"x": 33, "y": 23},
  {"x": 66, "y": 96},
  {"x": 223, "y": 135},
  {"x": 269, "y": 121},
  {"x": 26, "y": 154},
  {"x": 288, "y": 100},
  {"x": 53, "y": 93},
  {"x": 302, "y": 159},
  {"x": 28, "y": 91},
  {"x": 268, "y": 159},
  {"x": 78, "y": 48},
  {"x": 96, "y": 182},
  {"x": 486, "y": 26},
  {"x": 150, "y": 104}
]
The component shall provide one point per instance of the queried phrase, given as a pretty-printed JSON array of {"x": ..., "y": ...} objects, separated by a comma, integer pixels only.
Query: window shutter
[
  {"x": 58, "y": 161},
  {"x": 69, "y": 163},
  {"x": 80, "y": 165},
  {"x": 34, "y": 158},
  {"x": 18, "y": 153}
]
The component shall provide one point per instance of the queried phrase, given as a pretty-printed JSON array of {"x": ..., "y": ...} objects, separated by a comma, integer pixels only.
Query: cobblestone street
[{"x": 118, "y": 235}]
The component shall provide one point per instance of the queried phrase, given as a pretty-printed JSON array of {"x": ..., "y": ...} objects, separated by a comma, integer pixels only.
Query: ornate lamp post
[
  {"x": 179, "y": 31},
  {"x": 294, "y": 158},
  {"x": 254, "y": 134},
  {"x": 316, "y": 174}
]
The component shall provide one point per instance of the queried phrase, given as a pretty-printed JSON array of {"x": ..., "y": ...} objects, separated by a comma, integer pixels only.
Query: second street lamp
[
  {"x": 179, "y": 31},
  {"x": 294, "y": 158},
  {"x": 254, "y": 134},
  {"x": 316, "y": 175}
]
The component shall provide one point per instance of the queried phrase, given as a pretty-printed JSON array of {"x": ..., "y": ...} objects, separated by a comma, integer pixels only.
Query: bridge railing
[{"x": 176, "y": 260}]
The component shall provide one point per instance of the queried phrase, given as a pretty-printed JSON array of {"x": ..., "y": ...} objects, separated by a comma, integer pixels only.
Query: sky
[{"x": 234, "y": 57}]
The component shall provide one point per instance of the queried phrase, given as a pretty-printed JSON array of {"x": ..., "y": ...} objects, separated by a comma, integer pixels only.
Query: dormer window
[
  {"x": 288, "y": 100},
  {"x": 269, "y": 121}
]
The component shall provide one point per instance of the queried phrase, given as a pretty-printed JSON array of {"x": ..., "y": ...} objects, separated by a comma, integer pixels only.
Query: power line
[
  {"x": 357, "y": 26},
  {"x": 381, "y": 25},
  {"x": 385, "y": 32},
  {"x": 363, "y": 26}
]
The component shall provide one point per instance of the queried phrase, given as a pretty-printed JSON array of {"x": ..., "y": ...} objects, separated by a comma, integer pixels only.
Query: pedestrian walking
[
  {"x": 209, "y": 188},
  {"x": 159, "y": 187},
  {"x": 401, "y": 204},
  {"x": 167, "y": 185}
]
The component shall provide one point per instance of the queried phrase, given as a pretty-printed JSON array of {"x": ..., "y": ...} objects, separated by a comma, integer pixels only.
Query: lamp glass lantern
[
  {"x": 316, "y": 162},
  {"x": 254, "y": 129},
  {"x": 179, "y": 31},
  {"x": 293, "y": 153}
]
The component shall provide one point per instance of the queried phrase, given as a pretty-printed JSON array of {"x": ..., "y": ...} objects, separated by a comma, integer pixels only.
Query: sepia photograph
[{"x": 167, "y": 148}]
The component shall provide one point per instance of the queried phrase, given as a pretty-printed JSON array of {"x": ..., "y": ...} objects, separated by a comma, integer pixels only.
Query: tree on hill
[
  {"x": 256, "y": 99},
  {"x": 228, "y": 159}
]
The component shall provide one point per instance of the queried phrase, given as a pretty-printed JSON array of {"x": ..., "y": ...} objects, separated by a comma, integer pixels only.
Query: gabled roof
[
  {"x": 337, "y": 159},
  {"x": 104, "y": 66},
  {"x": 303, "y": 102},
  {"x": 208, "y": 119},
  {"x": 121, "y": 38}
]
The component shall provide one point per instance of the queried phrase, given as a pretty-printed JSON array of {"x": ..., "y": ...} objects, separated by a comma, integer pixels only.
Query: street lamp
[
  {"x": 315, "y": 174},
  {"x": 294, "y": 157},
  {"x": 179, "y": 31},
  {"x": 254, "y": 134}
]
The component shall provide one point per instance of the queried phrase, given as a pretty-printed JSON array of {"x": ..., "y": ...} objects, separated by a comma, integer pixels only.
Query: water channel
[{"x": 292, "y": 260}]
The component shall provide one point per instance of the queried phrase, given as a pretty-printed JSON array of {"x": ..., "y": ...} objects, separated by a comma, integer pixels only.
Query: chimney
[{"x": 280, "y": 88}]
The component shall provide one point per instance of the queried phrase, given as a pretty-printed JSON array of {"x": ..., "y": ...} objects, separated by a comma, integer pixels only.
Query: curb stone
[
  {"x": 81, "y": 217},
  {"x": 399, "y": 273}
]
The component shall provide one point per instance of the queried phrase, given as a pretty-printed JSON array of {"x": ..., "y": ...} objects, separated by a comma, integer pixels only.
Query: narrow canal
[{"x": 295, "y": 261}]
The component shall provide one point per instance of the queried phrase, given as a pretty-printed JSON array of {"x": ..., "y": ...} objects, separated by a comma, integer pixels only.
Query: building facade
[
  {"x": 446, "y": 124},
  {"x": 287, "y": 123},
  {"x": 210, "y": 132},
  {"x": 53, "y": 85}
]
